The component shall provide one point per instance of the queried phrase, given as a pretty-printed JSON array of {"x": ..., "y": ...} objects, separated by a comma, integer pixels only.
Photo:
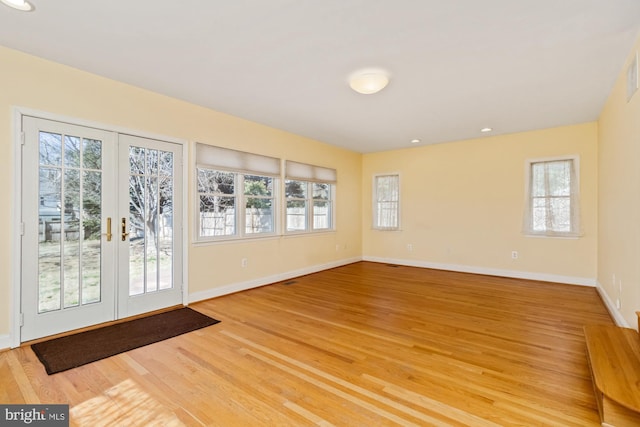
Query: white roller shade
[
  {"x": 305, "y": 172},
  {"x": 212, "y": 157}
]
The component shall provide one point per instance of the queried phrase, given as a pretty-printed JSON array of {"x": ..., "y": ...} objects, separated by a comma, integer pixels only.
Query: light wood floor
[{"x": 362, "y": 345}]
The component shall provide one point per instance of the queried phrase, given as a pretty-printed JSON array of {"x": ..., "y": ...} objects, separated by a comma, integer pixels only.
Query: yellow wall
[
  {"x": 33, "y": 83},
  {"x": 619, "y": 202},
  {"x": 462, "y": 206},
  {"x": 462, "y": 202}
]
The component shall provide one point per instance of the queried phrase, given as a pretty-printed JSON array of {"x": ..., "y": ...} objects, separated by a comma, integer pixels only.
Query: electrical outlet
[
  {"x": 514, "y": 254},
  {"x": 410, "y": 247},
  {"x": 244, "y": 262}
]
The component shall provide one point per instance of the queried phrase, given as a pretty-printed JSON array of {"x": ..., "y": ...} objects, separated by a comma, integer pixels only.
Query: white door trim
[{"x": 15, "y": 317}]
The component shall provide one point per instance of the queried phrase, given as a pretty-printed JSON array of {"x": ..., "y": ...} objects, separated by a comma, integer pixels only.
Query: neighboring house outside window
[
  {"x": 552, "y": 202},
  {"x": 309, "y": 194},
  {"x": 386, "y": 202}
]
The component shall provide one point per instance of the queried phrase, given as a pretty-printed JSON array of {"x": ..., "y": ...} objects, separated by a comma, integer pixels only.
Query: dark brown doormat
[{"x": 68, "y": 352}]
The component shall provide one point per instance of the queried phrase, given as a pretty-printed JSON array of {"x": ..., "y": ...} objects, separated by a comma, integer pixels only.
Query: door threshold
[{"x": 99, "y": 325}]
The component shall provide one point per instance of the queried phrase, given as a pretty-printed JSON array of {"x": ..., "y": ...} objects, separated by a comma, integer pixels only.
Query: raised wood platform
[{"x": 614, "y": 360}]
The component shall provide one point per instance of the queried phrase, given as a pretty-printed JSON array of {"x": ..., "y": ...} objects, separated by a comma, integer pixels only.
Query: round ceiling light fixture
[
  {"x": 22, "y": 5},
  {"x": 487, "y": 129},
  {"x": 369, "y": 81}
]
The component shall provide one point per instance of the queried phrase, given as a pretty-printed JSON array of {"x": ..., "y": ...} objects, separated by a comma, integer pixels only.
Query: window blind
[
  {"x": 212, "y": 157},
  {"x": 306, "y": 172}
]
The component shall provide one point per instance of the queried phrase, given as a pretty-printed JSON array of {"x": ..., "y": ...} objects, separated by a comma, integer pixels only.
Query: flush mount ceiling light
[
  {"x": 369, "y": 82},
  {"x": 485, "y": 130},
  {"x": 415, "y": 141},
  {"x": 22, "y": 5}
]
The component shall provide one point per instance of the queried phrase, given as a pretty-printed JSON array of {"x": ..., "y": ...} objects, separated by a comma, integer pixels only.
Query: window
[
  {"x": 386, "y": 202},
  {"x": 309, "y": 192},
  {"x": 552, "y": 200},
  {"x": 236, "y": 193}
]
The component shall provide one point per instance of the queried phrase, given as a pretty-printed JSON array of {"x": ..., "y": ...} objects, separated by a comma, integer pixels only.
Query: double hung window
[
  {"x": 309, "y": 192},
  {"x": 237, "y": 193},
  {"x": 386, "y": 202},
  {"x": 553, "y": 198}
]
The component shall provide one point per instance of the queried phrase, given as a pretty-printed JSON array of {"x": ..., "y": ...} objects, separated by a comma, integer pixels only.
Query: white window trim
[
  {"x": 297, "y": 171},
  {"x": 374, "y": 202},
  {"x": 576, "y": 216},
  {"x": 239, "y": 163},
  {"x": 309, "y": 200},
  {"x": 202, "y": 158},
  {"x": 240, "y": 218}
]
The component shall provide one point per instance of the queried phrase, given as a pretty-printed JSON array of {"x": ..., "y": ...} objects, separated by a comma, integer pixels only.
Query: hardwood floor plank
[
  {"x": 359, "y": 345},
  {"x": 21, "y": 378},
  {"x": 307, "y": 414}
]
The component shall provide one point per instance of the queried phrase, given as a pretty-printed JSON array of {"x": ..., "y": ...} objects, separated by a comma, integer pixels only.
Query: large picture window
[
  {"x": 237, "y": 193},
  {"x": 552, "y": 198},
  {"x": 309, "y": 192}
]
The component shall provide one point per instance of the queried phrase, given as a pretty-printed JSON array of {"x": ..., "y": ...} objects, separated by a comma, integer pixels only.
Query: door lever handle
[
  {"x": 124, "y": 229},
  {"x": 109, "y": 235}
]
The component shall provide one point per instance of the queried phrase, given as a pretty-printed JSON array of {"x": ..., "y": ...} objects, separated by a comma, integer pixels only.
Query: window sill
[
  {"x": 221, "y": 240},
  {"x": 230, "y": 240},
  {"x": 554, "y": 236},
  {"x": 307, "y": 233}
]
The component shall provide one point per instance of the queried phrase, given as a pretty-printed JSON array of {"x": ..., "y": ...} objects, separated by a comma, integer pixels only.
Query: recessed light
[
  {"x": 22, "y": 5},
  {"x": 486, "y": 130},
  {"x": 415, "y": 141}
]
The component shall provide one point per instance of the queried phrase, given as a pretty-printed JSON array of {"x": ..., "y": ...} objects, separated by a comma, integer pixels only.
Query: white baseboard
[
  {"x": 243, "y": 286},
  {"x": 613, "y": 311},
  {"x": 582, "y": 281},
  {"x": 5, "y": 342},
  {"x": 262, "y": 281}
]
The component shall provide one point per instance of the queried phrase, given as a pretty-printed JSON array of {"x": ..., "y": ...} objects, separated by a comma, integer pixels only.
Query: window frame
[
  {"x": 309, "y": 201},
  {"x": 240, "y": 164},
  {"x": 240, "y": 202},
  {"x": 310, "y": 175},
  {"x": 574, "y": 199},
  {"x": 376, "y": 202}
]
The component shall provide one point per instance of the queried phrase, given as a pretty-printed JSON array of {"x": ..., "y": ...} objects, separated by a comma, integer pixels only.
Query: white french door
[
  {"x": 98, "y": 214},
  {"x": 150, "y": 225}
]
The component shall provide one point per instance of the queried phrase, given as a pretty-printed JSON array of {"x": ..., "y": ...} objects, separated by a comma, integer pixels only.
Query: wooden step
[{"x": 614, "y": 360}]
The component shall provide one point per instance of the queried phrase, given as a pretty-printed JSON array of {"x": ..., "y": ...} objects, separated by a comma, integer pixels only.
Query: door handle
[
  {"x": 124, "y": 229},
  {"x": 108, "y": 234}
]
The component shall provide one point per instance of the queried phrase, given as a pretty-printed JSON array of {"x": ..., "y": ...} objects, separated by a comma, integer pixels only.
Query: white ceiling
[{"x": 456, "y": 65}]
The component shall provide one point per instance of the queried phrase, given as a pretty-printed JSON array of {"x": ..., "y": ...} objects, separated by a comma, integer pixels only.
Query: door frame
[{"x": 15, "y": 314}]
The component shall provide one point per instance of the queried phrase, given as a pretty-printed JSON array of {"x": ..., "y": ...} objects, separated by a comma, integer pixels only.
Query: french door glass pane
[
  {"x": 165, "y": 225},
  {"x": 69, "y": 212},
  {"x": 151, "y": 224},
  {"x": 71, "y": 236},
  {"x": 49, "y": 246},
  {"x": 150, "y": 220},
  {"x": 91, "y": 218}
]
